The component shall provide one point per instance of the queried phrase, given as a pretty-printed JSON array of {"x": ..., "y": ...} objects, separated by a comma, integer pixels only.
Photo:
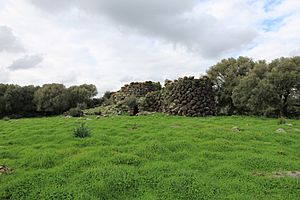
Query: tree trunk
[{"x": 284, "y": 110}]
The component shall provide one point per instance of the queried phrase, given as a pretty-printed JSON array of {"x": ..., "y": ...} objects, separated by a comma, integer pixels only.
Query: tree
[
  {"x": 82, "y": 94},
  {"x": 272, "y": 90},
  {"x": 3, "y": 88},
  {"x": 253, "y": 93},
  {"x": 13, "y": 100},
  {"x": 284, "y": 76},
  {"x": 225, "y": 76},
  {"x": 17, "y": 100},
  {"x": 27, "y": 93},
  {"x": 106, "y": 98},
  {"x": 52, "y": 99}
]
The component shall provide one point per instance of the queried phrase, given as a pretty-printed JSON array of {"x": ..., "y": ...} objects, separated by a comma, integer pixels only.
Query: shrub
[
  {"x": 281, "y": 120},
  {"x": 75, "y": 112},
  {"x": 132, "y": 104},
  {"x": 6, "y": 118},
  {"x": 82, "y": 106},
  {"x": 82, "y": 131},
  {"x": 15, "y": 116}
]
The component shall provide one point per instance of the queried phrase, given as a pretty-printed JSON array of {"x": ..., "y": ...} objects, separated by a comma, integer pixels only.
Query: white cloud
[
  {"x": 110, "y": 42},
  {"x": 284, "y": 40},
  {"x": 8, "y": 41},
  {"x": 4, "y": 76},
  {"x": 174, "y": 21},
  {"x": 26, "y": 62}
]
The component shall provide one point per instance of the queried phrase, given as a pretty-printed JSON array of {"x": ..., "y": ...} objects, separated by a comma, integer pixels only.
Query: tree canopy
[
  {"x": 16, "y": 101},
  {"x": 258, "y": 88}
]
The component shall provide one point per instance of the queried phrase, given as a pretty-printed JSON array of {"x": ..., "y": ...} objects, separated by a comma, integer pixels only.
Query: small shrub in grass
[
  {"x": 75, "y": 112},
  {"x": 82, "y": 131},
  {"x": 6, "y": 118},
  {"x": 281, "y": 120}
]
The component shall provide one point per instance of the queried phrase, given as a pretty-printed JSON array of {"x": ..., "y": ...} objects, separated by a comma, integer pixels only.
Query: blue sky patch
[
  {"x": 272, "y": 24},
  {"x": 271, "y": 4}
]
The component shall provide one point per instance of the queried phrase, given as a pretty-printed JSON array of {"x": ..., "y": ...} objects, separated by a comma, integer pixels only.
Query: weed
[
  {"x": 282, "y": 120},
  {"x": 82, "y": 131}
]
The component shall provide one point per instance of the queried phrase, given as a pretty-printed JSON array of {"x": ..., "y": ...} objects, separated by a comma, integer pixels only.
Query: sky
[{"x": 110, "y": 42}]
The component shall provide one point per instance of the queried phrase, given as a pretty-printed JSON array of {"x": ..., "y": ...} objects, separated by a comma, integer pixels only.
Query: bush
[
  {"x": 82, "y": 106},
  {"x": 82, "y": 131},
  {"x": 75, "y": 112},
  {"x": 6, "y": 118},
  {"x": 281, "y": 120},
  {"x": 132, "y": 104}
]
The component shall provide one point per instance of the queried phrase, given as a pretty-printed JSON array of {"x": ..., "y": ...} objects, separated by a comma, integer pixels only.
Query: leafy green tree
[
  {"x": 82, "y": 94},
  {"x": 52, "y": 99},
  {"x": 253, "y": 93},
  {"x": 225, "y": 76},
  {"x": 27, "y": 93},
  {"x": 106, "y": 98},
  {"x": 3, "y": 88},
  {"x": 17, "y": 100},
  {"x": 284, "y": 76},
  {"x": 13, "y": 99},
  {"x": 271, "y": 90}
]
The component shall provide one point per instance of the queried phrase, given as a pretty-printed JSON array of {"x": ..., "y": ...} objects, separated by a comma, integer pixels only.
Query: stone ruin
[
  {"x": 153, "y": 102},
  {"x": 135, "y": 89},
  {"x": 186, "y": 96}
]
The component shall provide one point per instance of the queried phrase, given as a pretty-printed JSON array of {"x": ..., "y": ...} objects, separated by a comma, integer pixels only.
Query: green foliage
[
  {"x": 52, "y": 98},
  {"x": 82, "y": 106},
  {"x": 6, "y": 118},
  {"x": 225, "y": 76},
  {"x": 241, "y": 86},
  {"x": 75, "y": 112},
  {"x": 17, "y": 100},
  {"x": 3, "y": 88},
  {"x": 82, "y": 131},
  {"x": 107, "y": 95},
  {"x": 282, "y": 120},
  {"x": 253, "y": 93},
  {"x": 132, "y": 104},
  {"x": 104, "y": 110},
  {"x": 82, "y": 94},
  {"x": 107, "y": 99},
  {"x": 284, "y": 76},
  {"x": 270, "y": 90}
]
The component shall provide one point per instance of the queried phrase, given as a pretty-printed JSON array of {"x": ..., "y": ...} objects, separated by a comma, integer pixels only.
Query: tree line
[
  {"x": 50, "y": 99},
  {"x": 241, "y": 87}
]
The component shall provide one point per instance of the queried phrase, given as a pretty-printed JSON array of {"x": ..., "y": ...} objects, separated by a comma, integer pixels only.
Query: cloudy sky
[{"x": 112, "y": 42}]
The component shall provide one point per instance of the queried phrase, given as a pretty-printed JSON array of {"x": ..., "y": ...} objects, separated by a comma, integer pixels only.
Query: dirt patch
[
  {"x": 258, "y": 174},
  {"x": 283, "y": 174},
  {"x": 236, "y": 129},
  {"x": 280, "y": 130},
  {"x": 4, "y": 169},
  {"x": 175, "y": 126},
  {"x": 293, "y": 174},
  {"x": 134, "y": 127},
  {"x": 145, "y": 113}
]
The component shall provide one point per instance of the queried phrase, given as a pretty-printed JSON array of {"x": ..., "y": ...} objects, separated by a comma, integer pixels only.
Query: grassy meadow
[{"x": 150, "y": 157}]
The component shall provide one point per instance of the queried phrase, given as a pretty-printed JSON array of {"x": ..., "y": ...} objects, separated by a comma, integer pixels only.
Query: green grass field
[{"x": 150, "y": 157}]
